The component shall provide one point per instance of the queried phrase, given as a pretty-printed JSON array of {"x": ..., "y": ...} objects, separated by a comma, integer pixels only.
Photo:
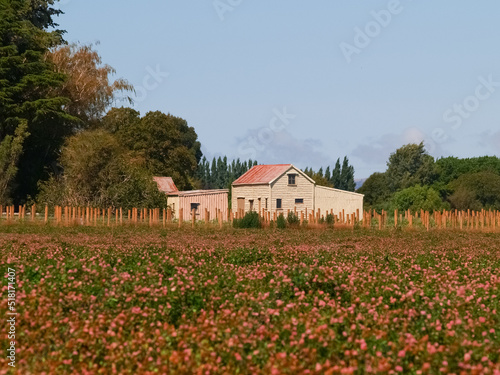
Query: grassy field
[{"x": 153, "y": 301}]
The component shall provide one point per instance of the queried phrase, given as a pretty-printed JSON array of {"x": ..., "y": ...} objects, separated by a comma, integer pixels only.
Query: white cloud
[{"x": 376, "y": 151}]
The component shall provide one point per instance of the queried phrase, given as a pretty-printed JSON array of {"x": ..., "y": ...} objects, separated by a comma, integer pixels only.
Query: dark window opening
[
  {"x": 194, "y": 206},
  {"x": 299, "y": 201},
  {"x": 291, "y": 179},
  {"x": 278, "y": 203}
]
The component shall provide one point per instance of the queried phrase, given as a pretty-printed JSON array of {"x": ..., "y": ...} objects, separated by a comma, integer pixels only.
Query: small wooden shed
[{"x": 213, "y": 201}]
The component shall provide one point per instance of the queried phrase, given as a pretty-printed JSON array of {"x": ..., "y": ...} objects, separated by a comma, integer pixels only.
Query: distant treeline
[
  {"x": 339, "y": 177},
  {"x": 220, "y": 174},
  {"x": 414, "y": 180}
]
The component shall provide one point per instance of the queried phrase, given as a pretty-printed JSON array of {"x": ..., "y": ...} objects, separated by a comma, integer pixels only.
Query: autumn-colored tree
[{"x": 88, "y": 84}]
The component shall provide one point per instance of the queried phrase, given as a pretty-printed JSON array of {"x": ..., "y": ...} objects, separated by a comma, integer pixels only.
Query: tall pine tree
[{"x": 27, "y": 79}]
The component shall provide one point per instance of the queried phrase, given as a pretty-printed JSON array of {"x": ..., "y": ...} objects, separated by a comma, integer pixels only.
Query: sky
[{"x": 307, "y": 82}]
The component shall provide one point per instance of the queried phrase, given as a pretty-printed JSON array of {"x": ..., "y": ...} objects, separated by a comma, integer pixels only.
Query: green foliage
[
  {"x": 346, "y": 176},
  {"x": 476, "y": 191},
  {"x": 27, "y": 82},
  {"x": 293, "y": 219},
  {"x": 98, "y": 171},
  {"x": 220, "y": 174},
  {"x": 376, "y": 190},
  {"x": 451, "y": 168},
  {"x": 250, "y": 220},
  {"x": 281, "y": 222},
  {"x": 244, "y": 256},
  {"x": 330, "y": 220},
  {"x": 418, "y": 198},
  {"x": 342, "y": 177},
  {"x": 11, "y": 148},
  {"x": 167, "y": 144},
  {"x": 408, "y": 166}
]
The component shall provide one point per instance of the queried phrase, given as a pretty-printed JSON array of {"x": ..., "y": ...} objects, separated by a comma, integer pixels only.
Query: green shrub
[
  {"x": 293, "y": 219},
  {"x": 329, "y": 220},
  {"x": 281, "y": 222},
  {"x": 250, "y": 220},
  {"x": 418, "y": 198}
]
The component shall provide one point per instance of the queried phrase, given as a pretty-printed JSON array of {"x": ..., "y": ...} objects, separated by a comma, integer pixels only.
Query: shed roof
[
  {"x": 202, "y": 192},
  {"x": 264, "y": 174},
  {"x": 166, "y": 184}
]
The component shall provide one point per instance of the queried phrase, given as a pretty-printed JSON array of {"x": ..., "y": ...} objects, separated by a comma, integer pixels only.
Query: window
[
  {"x": 299, "y": 201},
  {"x": 266, "y": 203},
  {"x": 194, "y": 206},
  {"x": 278, "y": 203},
  {"x": 291, "y": 179},
  {"x": 251, "y": 204}
]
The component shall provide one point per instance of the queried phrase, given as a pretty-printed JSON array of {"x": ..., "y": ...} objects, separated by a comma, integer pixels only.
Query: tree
[
  {"x": 376, "y": 190},
  {"x": 336, "y": 180},
  {"x": 122, "y": 121},
  {"x": 451, "y": 168},
  {"x": 88, "y": 85},
  {"x": 347, "y": 176},
  {"x": 328, "y": 174},
  {"x": 341, "y": 178},
  {"x": 220, "y": 174},
  {"x": 476, "y": 191},
  {"x": 98, "y": 171},
  {"x": 27, "y": 32},
  {"x": 408, "y": 166},
  {"x": 418, "y": 198},
  {"x": 11, "y": 149},
  {"x": 167, "y": 144},
  {"x": 320, "y": 180}
]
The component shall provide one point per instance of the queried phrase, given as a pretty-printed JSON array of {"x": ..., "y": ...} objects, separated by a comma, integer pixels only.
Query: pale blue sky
[{"x": 236, "y": 67}]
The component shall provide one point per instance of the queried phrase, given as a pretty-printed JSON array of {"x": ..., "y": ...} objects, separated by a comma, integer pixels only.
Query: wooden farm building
[
  {"x": 282, "y": 187},
  {"x": 212, "y": 201}
]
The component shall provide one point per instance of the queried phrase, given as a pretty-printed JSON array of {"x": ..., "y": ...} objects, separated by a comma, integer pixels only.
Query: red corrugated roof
[
  {"x": 166, "y": 184},
  {"x": 262, "y": 174}
]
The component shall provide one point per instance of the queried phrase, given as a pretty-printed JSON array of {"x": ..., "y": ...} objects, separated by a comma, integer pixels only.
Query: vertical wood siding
[
  {"x": 211, "y": 200},
  {"x": 338, "y": 200}
]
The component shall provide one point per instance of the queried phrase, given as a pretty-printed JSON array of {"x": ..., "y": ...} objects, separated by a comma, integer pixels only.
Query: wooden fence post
[
  {"x": 181, "y": 216},
  {"x": 169, "y": 215}
]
